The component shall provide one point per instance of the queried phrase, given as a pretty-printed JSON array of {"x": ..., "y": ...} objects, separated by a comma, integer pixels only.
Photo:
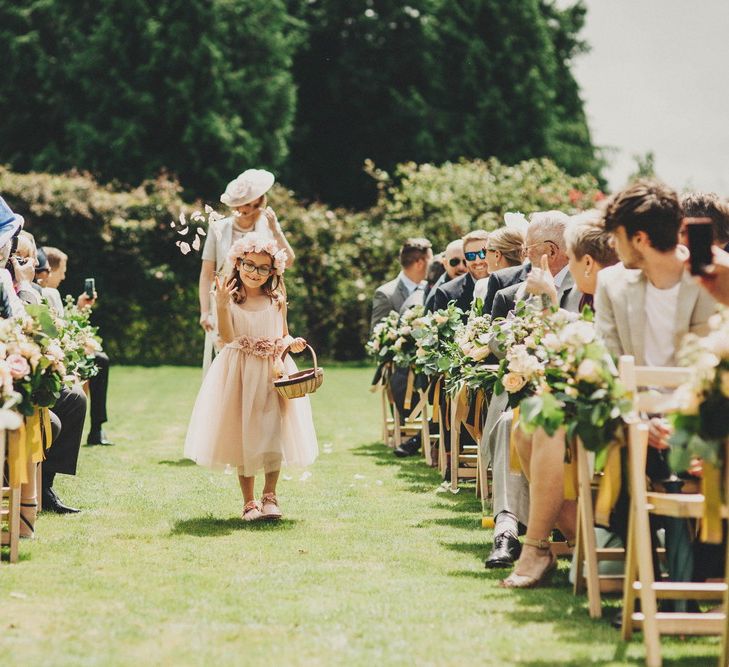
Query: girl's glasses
[{"x": 250, "y": 267}]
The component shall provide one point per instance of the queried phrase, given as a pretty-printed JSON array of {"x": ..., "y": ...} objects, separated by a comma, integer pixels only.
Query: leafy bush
[{"x": 148, "y": 304}]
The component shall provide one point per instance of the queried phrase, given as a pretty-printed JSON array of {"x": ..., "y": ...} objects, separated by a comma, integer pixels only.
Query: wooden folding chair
[
  {"x": 640, "y": 582},
  {"x": 9, "y": 504},
  {"x": 587, "y": 555},
  {"x": 391, "y": 435},
  {"x": 464, "y": 458}
]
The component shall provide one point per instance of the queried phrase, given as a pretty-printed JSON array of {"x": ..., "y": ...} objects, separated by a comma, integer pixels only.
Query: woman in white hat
[{"x": 246, "y": 196}]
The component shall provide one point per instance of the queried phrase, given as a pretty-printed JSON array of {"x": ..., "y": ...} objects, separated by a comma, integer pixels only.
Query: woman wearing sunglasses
[{"x": 505, "y": 249}]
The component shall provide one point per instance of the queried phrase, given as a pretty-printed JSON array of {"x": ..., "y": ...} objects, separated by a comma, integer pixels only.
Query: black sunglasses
[
  {"x": 471, "y": 256},
  {"x": 455, "y": 261}
]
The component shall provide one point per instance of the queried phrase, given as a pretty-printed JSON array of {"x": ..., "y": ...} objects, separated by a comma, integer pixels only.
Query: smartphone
[
  {"x": 90, "y": 287},
  {"x": 700, "y": 233}
]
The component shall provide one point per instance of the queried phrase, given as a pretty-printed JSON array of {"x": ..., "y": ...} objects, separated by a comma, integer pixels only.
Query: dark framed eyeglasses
[
  {"x": 471, "y": 256},
  {"x": 525, "y": 249},
  {"x": 455, "y": 261},
  {"x": 250, "y": 267}
]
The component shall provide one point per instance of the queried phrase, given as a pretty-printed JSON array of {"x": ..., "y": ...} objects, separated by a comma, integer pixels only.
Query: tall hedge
[{"x": 148, "y": 307}]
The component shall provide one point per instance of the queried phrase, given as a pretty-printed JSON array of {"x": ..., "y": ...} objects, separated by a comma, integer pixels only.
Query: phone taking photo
[
  {"x": 90, "y": 288},
  {"x": 700, "y": 234}
]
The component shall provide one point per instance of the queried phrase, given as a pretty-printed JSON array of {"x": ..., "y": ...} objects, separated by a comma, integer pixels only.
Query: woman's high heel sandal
[{"x": 515, "y": 580}]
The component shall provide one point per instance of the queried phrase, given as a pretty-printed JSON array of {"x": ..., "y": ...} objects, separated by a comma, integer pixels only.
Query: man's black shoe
[
  {"x": 52, "y": 503},
  {"x": 507, "y": 549},
  {"x": 409, "y": 447},
  {"x": 98, "y": 437}
]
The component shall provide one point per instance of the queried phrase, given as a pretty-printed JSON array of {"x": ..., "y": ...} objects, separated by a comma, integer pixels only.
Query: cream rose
[
  {"x": 588, "y": 370},
  {"x": 440, "y": 319},
  {"x": 18, "y": 366},
  {"x": 513, "y": 382}
]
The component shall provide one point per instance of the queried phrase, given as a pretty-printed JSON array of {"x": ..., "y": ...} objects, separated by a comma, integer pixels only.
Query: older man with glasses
[{"x": 454, "y": 263}]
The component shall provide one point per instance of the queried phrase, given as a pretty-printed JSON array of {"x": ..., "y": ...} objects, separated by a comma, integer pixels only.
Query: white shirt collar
[
  {"x": 559, "y": 278},
  {"x": 411, "y": 286}
]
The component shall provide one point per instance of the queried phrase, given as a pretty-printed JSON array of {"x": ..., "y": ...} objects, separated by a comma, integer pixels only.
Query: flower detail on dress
[
  {"x": 258, "y": 347},
  {"x": 255, "y": 242}
]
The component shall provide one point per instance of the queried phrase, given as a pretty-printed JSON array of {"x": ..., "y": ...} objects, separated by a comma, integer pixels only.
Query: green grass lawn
[{"x": 370, "y": 566}]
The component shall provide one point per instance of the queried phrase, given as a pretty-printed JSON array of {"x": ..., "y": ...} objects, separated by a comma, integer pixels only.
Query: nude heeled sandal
[{"x": 515, "y": 580}]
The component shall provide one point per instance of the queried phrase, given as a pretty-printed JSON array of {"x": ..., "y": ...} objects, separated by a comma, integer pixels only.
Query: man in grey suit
[
  {"x": 399, "y": 294},
  {"x": 545, "y": 236},
  {"x": 415, "y": 256}
]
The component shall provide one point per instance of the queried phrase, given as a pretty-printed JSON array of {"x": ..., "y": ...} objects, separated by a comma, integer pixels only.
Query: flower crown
[{"x": 255, "y": 242}]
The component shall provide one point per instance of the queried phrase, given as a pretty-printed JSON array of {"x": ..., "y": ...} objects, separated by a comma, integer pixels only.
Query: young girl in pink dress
[{"x": 239, "y": 419}]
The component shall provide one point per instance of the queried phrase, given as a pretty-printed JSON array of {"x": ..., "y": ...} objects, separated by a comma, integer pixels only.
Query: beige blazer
[{"x": 620, "y": 310}]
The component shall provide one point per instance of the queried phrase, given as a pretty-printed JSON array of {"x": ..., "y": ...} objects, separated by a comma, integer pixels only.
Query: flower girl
[{"x": 239, "y": 419}]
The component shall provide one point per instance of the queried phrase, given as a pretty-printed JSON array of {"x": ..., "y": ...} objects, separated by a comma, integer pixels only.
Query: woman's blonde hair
[
  {"x": 586, "y": 235},
  {"x": 509, "y": 242}
]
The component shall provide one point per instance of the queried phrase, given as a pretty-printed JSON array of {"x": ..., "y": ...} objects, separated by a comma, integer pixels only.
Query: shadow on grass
[
  {"x": 210, "y": 526},
  {"x": 181, "y": 463}
]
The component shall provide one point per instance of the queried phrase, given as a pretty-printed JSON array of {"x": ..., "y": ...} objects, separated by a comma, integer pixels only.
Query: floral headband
[{"x": 255, "y": 242}]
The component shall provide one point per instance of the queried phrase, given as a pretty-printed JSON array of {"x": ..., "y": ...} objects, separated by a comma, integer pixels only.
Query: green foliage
[
  {"x": 128, "y": 88},
  {"x": 445, "y": 202},
  {"x": 148, "y": 305},
  {"x": 432, "y": 81}
]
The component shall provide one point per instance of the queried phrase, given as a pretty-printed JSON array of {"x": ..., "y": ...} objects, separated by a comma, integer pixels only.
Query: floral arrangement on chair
[
  {"x": 574, "y": 380},
  {"x": 700, "y": 423},
  {"x": 382, "y": 340}
]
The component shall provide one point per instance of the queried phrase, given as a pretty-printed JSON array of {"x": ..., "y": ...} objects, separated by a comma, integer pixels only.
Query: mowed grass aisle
[{"x": 370, "y": 567}]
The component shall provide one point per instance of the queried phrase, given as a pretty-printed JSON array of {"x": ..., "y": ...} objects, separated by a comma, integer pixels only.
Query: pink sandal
[
  {"x": 252, "y": 511},
  {"x": 269, "y": 507}
]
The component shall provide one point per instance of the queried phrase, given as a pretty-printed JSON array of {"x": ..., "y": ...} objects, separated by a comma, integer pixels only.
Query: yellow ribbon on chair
[
  {"x": 570, "y": 472},
  {"x": 514, "y": 460},
  {"x": 27, "y": 443},
  {"x": 436, "y": 399},
  {"x": 409, "y": 390},
  {"x": 711, "y": 529},
  {"x": 609, "y": 489}
]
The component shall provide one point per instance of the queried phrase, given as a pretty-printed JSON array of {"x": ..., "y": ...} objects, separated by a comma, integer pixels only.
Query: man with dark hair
[
  {"x": 460, "y": 290},
  {"x": 645, "y": 305},
  {"x": 706, "y": 205},
  {"x": 415, "y": 256}
]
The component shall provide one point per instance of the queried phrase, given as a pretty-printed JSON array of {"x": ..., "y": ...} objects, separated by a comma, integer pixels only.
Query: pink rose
[{"x": 19, "y": 366}]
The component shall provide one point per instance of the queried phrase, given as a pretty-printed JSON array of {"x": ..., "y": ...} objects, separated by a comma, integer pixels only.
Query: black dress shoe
[
  {"x": 52, "y": 503},
  {"x": 507, "y": 549},
  {"x": 98, "y": 438},
  {"x": 409, "y": 447}
]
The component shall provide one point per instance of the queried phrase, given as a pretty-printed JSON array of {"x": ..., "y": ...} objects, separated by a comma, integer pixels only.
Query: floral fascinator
[{"x": 254, "y": 242}]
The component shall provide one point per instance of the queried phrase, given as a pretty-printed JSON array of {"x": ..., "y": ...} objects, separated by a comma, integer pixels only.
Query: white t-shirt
[{"x": 660, "y": 326}]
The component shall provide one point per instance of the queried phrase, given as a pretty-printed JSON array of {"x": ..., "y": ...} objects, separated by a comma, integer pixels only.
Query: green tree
[{"x": 127, "y": 88}]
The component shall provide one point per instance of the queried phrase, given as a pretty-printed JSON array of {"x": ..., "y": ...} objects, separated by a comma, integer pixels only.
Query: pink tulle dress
[{"x": 239, "y": 419}]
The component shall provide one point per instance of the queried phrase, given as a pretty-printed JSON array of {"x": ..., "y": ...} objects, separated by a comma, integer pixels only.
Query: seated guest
[
  {"x": 589, "y": 250},
  {"x": 706, "y": 205},
  {"x": 415, "y": 257},
  {"x": 716, "y": 280},
  {"x": 504, "y": 257},
  {"x": 69, "y": 412},
  {"x": 454, "y": 264},
  {"x": 99, "y": 383},
  {"x": 545, "y": 236},
  {"x": 460, "y": 290}
]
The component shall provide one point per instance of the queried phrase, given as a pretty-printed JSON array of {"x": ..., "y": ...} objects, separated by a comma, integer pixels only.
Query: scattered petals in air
[
  {"x": 183, "y": 221},
  {"x": 197, "y": 216},
  {"x": 184, "y": 247},
  {"x": 304, "y": 476},
  {"x": 196, "y": 244},
  {"x": 201, "y": 231},
  {"x": 358, "y": 476},
  {"x": 183, "y": 231},
  {"x": 208, "y": 209},
  {"x": 286, "y": 478}
]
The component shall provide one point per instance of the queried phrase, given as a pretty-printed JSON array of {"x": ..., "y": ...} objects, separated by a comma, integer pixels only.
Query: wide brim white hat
[{"x": 247, "y": 187}]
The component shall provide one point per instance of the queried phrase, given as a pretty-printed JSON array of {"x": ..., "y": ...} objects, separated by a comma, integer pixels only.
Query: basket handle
[{"x": 313, "y": 355}]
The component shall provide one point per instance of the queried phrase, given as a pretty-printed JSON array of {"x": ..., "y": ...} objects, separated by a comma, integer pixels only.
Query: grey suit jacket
[
  {"x": 390, "y": 296},
  {"x": 505, "y": 299},
  {"x": 620, "y": 310}
]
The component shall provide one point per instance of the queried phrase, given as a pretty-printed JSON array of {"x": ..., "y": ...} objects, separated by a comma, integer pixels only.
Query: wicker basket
[{"x": 301, "y": 383}]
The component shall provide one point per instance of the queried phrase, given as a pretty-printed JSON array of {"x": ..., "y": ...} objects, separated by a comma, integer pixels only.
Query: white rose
[
  {"x": 588, "y": 371},
  {"x": 391, "y": 335},
  {"x": 718, "y": 343},
  {"x": 513, "y": 382},
  {"x": 552, "y": 342},
  {"x": 376, "y": 345},
  {"x": 578, "y": 333},
  {"x": 484, "y": 338},
  {"x": 406, "y": 330},
  {"x": 687, "y": 399}
]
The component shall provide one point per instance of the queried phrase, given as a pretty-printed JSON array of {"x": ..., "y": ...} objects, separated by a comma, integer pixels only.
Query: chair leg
[
  {"x": 455, "y": 445},
  {"x": 425, "y": 431},
  {"x": 626, "y": 629},
  {"x": 14, "y": 522},
  {"x": 39, "y": 485},
  {"x": 587, "y": 529},
  {"x": 578, "y": 585}
]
